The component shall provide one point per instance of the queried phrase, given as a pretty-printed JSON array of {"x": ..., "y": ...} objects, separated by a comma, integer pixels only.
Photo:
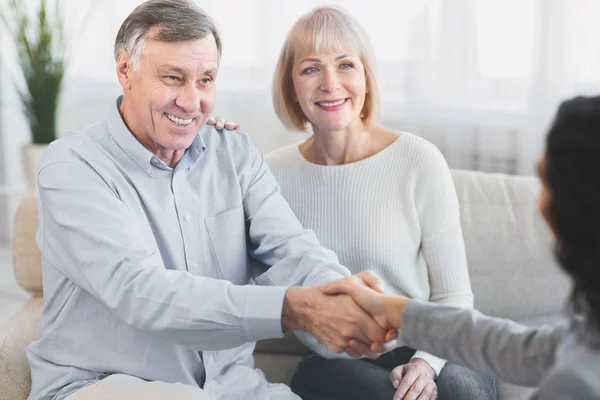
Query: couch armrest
[
  {"x": 20, "y": 330},
  {"x": 26, "y": 255}
]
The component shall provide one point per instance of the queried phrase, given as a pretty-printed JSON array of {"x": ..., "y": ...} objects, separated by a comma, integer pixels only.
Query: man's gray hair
[{"x": 178, "y": 20}]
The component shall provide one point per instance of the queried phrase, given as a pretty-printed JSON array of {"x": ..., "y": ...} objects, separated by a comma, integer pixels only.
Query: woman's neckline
[{"x": 365, "y": 160}]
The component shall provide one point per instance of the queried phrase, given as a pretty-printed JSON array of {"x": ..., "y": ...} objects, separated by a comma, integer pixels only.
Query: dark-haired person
[{"x": 562, "y": 360}]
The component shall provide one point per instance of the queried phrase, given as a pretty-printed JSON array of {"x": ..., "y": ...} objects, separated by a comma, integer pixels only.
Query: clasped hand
[
  {"x": 413, "y": 381},
  {"x": 350, "y": 316}
]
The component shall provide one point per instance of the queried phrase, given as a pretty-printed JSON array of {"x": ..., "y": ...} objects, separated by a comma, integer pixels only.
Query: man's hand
[
  {"x": 220, "y": 123},
  {"x": 386, "y": 310},
  {"x": 358, "y": 349},
  {"x": 332, "y": 320},
  {"x": 415, "y": 380}
]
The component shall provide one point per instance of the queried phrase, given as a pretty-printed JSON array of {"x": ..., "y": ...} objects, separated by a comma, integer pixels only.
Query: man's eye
[
  {"x": 206, "y": 80},
  {"x": 174, "y": 78}
]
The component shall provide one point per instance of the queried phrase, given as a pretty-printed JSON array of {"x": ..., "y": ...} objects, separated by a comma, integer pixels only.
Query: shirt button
[
  {"x": 195, "y": 265},
  {"x": 187, "y": 218},
  {"x": 210, "y": 359}
]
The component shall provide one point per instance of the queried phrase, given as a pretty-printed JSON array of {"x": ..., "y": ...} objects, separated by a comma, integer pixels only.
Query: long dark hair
[{"x": 572, "y": 173}]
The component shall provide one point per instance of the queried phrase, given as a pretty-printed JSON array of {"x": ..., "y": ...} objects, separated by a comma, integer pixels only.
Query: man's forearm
[{"x": 295, "y": 306}]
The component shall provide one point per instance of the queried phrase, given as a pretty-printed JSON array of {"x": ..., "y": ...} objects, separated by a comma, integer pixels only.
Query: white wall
[
  {"x": 4, "y": 212},
  {"x": 14, "y": 132}
]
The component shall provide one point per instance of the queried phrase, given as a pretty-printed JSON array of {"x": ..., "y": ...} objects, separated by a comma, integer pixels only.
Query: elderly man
[{"x": 167, "y": 248}]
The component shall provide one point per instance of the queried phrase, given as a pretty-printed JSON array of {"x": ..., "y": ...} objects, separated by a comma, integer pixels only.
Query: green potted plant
[{"x": 40, "y": 48}]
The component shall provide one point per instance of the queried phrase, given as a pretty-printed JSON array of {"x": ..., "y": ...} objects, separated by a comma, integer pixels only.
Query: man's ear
[{"x": 124, "y": 70}]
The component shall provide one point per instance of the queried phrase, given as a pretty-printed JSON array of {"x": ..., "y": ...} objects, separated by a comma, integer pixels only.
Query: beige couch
[{"x": 508, "y": 248}]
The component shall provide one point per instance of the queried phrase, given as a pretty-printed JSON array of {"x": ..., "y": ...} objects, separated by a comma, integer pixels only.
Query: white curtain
[{"x": 479, "y": 78}]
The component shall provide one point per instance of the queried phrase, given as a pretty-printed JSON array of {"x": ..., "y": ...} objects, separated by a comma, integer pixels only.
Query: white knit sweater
[{"x": 395, "y": 213}]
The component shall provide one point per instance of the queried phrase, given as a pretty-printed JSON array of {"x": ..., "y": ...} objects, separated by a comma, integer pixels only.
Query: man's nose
[{"x": 188, "y": 99}]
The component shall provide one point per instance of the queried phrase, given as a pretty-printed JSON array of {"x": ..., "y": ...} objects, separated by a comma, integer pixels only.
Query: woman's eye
[
  {"x": 309, "y": 70},
  {"x": 346, "y": 66}
]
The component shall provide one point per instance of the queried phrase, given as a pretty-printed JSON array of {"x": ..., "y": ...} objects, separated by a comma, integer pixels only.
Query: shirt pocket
[{"x": 227, "y": 233}]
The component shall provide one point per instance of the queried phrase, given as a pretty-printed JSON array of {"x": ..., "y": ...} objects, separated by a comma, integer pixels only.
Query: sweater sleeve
[
  {"x": 498, "y": 347},
  {"x": 442, "y": 241}
]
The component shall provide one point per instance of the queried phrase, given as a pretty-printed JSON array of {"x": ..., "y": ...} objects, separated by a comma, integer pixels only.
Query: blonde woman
[{"x": 382, "y": 200}]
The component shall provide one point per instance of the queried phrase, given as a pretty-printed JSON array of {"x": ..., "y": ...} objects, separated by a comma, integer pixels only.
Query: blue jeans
[{"x": 318, "y": 378}]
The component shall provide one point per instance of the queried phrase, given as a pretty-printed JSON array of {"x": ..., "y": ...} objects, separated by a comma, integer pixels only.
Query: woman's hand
[
  {"x": 414, "y": 381},
  {"x": 220, "y": 123},
  {"x": 386, "y": 310}
]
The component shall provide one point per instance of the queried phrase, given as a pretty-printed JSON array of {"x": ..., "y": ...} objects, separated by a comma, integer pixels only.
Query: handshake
[{"x": 351, "y": 315}]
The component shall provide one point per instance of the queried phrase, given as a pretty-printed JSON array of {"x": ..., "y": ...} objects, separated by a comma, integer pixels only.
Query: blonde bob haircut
[{"x": 324, "y": 29}]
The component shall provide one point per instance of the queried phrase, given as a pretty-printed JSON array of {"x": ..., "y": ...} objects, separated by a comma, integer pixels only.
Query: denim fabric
[{"x": 318, "y": 378}]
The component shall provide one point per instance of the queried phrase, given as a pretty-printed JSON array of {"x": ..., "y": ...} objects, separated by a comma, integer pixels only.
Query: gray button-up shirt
[{"x": 163, "y": 273}]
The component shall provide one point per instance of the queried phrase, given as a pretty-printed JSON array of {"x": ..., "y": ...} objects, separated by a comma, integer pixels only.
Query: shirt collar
[
  {"x": 197, "y": 148},
  {"x": 134, "y": 149}
]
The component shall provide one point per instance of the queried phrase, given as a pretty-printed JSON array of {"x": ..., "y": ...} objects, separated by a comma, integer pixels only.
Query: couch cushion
[
  {"x": 509, "y": 247},
  {"x": 26, "y": 255},
  {"x": 21, "y": 329},
  {"x": 289, "y": 344}
]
